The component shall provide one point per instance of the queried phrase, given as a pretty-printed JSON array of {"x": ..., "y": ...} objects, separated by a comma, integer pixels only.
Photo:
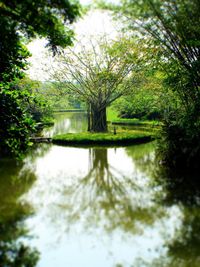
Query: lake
[{"x": 96, "y": 207}]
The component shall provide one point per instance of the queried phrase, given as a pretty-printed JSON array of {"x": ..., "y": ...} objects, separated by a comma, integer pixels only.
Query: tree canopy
[
  {"x": 175, "y": 27},
  {"x": 171, "y": 31},
  {"x": 22, "y": 19},
  {"x": 98, "y": 74}
]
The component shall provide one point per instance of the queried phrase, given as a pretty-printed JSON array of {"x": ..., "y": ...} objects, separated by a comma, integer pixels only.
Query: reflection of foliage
[
  {"x": 105, "y": 195},
  {"x": 184, "y": 250},
  {"x": 67, "y": 122},
  {"x": 182, "y": 186},
  {"x": 17, "y": 255},
  {"x": 15, "y": 180},
  {"x": 143, "y": 157},
  {"x": 39, "y": 150},
  {"x": 183, "y": 189}
]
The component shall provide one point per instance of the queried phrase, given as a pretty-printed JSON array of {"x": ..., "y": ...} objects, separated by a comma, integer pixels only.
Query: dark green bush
[{"x": 179, "y": 144}]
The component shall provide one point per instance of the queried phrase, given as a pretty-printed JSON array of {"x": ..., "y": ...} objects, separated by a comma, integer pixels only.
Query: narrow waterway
[{"x": 95, "y": 207}]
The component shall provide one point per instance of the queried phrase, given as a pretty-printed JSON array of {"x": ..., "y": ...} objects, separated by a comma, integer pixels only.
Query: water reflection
[
  {"x": 15, "y": 181},
  {"x": 143, "y": 157},
  {"x": 111, "y": 195},
  {"x": 182, "y": 188},
  {"x": 67, "y": 123},
  {"x": 99, "y": 204},
  {"x": 97, "y": 207}
]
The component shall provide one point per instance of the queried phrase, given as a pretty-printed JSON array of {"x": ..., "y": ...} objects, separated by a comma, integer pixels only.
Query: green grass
[
  {"x": 113, "y": 117},
  {"x": 112, "y": 114},
  {"x": 69, "y": 110},
  {"x": 121, "y": 138},
  {"x": 135, "y": 122}
]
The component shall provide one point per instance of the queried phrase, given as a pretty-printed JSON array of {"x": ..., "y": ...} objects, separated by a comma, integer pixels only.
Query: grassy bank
[
  {"x": 121, "y": 138},
  {"x": 115, "y": 120},
  {"x": 135, "y": 122},
  {"x": 69, "y": 110}
]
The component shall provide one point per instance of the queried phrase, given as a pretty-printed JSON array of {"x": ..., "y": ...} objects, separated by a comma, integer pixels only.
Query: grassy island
[{"x": 86, "y": 139}]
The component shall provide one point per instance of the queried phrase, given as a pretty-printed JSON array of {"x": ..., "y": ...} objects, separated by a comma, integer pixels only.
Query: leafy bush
[
  {"x": 179, "y": 143},
  {"x": 143, "y": 102},
  {"x": 15, "y": 124}
]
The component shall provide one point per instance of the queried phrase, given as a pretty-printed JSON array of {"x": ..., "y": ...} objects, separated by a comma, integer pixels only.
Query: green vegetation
[
  {"x": 149, "y": 77},
  {"x": 121, "y": 138},
  {"x": 114, "y": 119},
  {"x": 57, "y": 98},
  {"x": 112, "y": 114},
  {"x": 98, "y": 75},
  {"x": 147, "y": 101},
  {"x": 21, "y": 21},
  {"x": 135, "y": 122},
  {"x": 36, "y": 104},
  {"x": 23, "y": 111},
  {"x": 171, "y": 45},
  {"x": 149, "y": 73},
  {"x": 15, "y": 123}
]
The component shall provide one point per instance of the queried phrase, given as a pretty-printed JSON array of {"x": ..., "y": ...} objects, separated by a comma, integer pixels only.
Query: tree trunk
[
  {"x": 98, "y": 120},
  {"x": 89, "y": 117}
]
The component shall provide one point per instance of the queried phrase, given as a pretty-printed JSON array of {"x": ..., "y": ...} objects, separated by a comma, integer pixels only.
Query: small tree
[{"x": 98, "y": 74}]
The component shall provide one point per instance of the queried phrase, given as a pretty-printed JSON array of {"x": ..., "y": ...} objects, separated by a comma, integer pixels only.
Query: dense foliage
[
  {"x": 56, "y": 98},
  {"x": 20, "y": 21},
  {"x": 144, "y": 101},
  {"x": 21, "y": 110},
  {"x": 16, "y": 124},
  {"x": 26, "y": 19},
  {"x": 172, "y": 28},
  {"x": 35, "y": 102}
]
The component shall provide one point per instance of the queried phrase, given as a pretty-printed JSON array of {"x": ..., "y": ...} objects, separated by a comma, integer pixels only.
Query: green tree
[
  {"x": 21, "y": 20},
  {"x": 35, "y": 102},
  {"x": 145, "y": 101},
  {"x": 16, "y": 123},
  {"x": 26, "y": 19},
  {"x": 173, "y": 27},
  {"x": 98, "y": 74}
]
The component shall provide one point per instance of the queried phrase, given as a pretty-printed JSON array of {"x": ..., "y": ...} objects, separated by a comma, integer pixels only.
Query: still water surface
[{"x": 95, "y": 207}]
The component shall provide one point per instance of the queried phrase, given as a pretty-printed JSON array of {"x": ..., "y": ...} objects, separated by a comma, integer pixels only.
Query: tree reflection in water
[
  {"x": 15, "y": 181},
  {"x": 143, "y": 157},
  {"x": 105, "y": 196},
  {"x": 182, "y": 189},
  {"x": 67, "y": 123}
]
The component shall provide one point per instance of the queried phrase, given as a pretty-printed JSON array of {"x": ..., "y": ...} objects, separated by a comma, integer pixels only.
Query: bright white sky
[
  {"x": 96, "y": 22},
  {"x": 86, "y": 2}
]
